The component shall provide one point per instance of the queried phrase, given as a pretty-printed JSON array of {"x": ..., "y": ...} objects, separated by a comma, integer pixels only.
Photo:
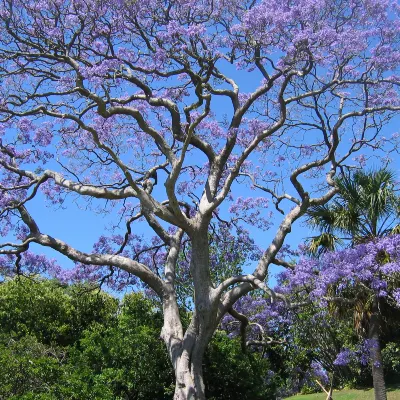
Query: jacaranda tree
[
  {"x": 161, "y": 112},
  {"x": 367, "y": 207},
  {"x": 358, "y": 278},
  {"x": 308, "y": 321}
]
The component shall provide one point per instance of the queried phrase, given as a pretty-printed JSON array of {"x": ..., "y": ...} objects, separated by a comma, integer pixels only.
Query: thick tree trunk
[
  {"x": 187, "y": 351},
  {"x": 188, "y": 365},
  {"x": 378, "y": 377},
  {"x": 189, "y": 378}
]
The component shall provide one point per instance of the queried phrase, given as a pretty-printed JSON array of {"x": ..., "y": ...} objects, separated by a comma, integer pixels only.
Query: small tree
[{"x": 135, "y": 105}]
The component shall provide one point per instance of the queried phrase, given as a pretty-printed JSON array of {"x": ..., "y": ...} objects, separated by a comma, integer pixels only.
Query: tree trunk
[
  {"x": 378, "y": 377},
  {"x": 189, "y": 378},
  {"x": 188, "y": 363},
  {"x": 187, "y": 351}
]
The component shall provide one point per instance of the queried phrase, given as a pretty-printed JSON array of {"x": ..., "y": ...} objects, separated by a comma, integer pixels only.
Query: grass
[{"x": 350, "y": 394}]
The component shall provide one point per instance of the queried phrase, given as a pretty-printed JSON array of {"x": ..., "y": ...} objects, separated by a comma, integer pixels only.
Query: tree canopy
[{"x": 160, "y": 113}]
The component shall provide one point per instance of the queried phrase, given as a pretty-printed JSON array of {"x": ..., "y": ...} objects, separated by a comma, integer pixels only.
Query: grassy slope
[{"x": 350, "y": 394}]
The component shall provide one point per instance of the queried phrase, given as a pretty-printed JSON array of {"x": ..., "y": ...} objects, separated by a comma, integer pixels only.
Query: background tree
[
  {"x": 300, "y": 338},
  {"x": 99, "y": 98},
  {"x": 41, "y": 322},
  {"x": 357, "y": 277},
  {"x": 319, "y": 335},
  {"x": 366, "y": 207}
]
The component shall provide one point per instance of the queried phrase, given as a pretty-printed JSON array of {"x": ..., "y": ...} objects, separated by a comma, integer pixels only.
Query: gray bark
[{"x": 187, "y": 350}]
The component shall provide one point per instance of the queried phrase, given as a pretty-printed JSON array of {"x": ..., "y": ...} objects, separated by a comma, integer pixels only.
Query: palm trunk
[{"x": 378, "y": 377}]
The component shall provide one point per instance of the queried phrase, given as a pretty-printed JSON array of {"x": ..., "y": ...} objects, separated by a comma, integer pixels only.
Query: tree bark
[
  {"x": 189, "y": 376},
  {"x": 378, "y": 377},
  {"x": 187, "y": 351},
  {"x": 188, "y": 362}
]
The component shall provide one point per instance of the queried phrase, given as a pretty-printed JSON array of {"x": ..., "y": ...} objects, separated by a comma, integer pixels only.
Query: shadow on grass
[
  {"x": 393, "y": 387},
  {"x": 350, "y": 393}
]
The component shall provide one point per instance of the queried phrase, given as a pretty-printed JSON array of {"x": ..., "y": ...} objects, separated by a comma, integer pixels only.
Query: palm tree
[{"x": 366, "y": 207}]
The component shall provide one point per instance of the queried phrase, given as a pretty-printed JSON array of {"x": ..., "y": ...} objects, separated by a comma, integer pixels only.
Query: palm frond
[
  {"x": 365, "y": 202},
  {"x": 322, "y": 217},
  {"x": 348, "y": 189},
  {"x": 322, "y": 243},
  {"x": 395, "y": 230}
]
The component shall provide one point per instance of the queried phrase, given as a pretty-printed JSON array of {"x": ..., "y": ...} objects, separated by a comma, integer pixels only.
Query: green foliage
[
  {"x": 74, "y": 343},
  {"x": 128, "y": 358},
  {"x": 51, "y": 312},
  {"x": 28, "y": 368},
  {"x": 71, "y": 343},
  {"x": 235, "y": 374},
  {"x": 62, "y": 342},
  {"x": 391, "y": 360}
]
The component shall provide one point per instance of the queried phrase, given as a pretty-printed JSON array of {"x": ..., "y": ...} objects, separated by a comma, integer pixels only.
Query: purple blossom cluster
[
  {"x": 344, "y": 357},
  {"x": 360, "y": 354},
  {"x": 111, "y": 52},
  {"x": 252, "y": 211},
  {"x": 265, "y": 318},
  {"x": 375, "y": 264},
  {"x": 34, "y": 263},
  {"x": 319, "y": 372}
]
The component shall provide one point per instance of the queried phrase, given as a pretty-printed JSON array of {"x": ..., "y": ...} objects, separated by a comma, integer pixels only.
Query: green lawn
[{"x": 350, "y": 394}]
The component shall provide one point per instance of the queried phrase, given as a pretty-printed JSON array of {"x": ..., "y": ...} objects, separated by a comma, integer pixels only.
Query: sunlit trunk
[
  {"x": 189, "y": 377},
  {"x": 188, "y": 362},
  {"x": 187, "y": 350}
]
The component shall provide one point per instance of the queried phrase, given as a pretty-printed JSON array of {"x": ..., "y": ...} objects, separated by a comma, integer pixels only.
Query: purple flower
[{"x": 344, "y": 357}]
